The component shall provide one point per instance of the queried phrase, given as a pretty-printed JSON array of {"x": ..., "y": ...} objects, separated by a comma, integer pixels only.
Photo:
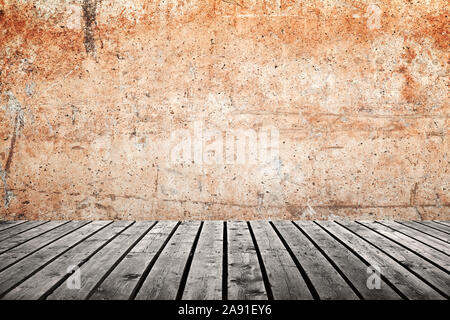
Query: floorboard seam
[
  {"x": 387, "y": 281},
  {"x": 51, "y": 260},
  {"x": 335, "y": 266},
  {"x": 80, "y": 264},
  {"x": 406, "y": 247},
  {"x": 108, "y": 272},
  {"x": 148, "y": 268},
  {"x": 300, "y": 268},
  {"x": 400, "y": 263}
]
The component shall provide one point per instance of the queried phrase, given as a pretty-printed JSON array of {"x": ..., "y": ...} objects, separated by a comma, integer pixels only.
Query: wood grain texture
[
  {"x": 204, "y": 281},
  {"x": 245, "y": 281},
  {"x": 93, "y": 270},
  {"x": 351, "y": 266},
  {"x": 35, "y": 245},
  {"x": 23, "y": 237},
  {"x": 440, "y": 280},
  {"x": 164, "y": 279},
  {"x": 411, "y": 286},
  {"x": 441, "y": 222},
  {"x": 285, "y": 278},
  {"x": 437, "y": 225},
  {"x": 121, "y": 282},
  {"x": 19, "y": 228},
  {"x": 211, "y": 260},
  {"x": 7, "y": 224},
  {"x": 427, "y": 252},
  {"x": 36, "y": 286},
  {"x": 429, "y": 230},
  {"x": 420, "y": 236},
  {"x": 12, "y": 276},
  {"x": 326, "y": 280}
]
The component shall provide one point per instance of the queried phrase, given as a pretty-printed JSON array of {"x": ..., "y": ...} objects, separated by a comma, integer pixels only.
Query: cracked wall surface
[{"x": 91, "y": 92}]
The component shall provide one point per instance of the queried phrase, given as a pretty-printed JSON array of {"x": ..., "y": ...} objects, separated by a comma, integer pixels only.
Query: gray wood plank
[
  {"x": 285, "y": 278},
  {"x": 204, "y": 281},
  {"x": 120, "y": 283},
  {"x": 411, "y": 286},
  {"x": 328, "y": 283},
  {"x": 7, "y": 224},
  {"x": 12, "y": 276},
  {"x": 443, "y": 222},
  {"x": 5, "y": 234},
  {"x": 351, "y": 266},
  {"x": 43, "y": 281},
  {"x": 430, "y": 241},
  {"x": 245, "y": 281},
  {"x": 433, "y": 233},
  {"x": 429, "y": 253},
  {"x": 437, "y": 225},
  {"x": 164, "y": 279},
  {"x": 430, "y": 228},
  {"x": 28, "y": 235},
  {"x": 22, "y": 251},
  {"x": 427, "y": 271},
  {"x": 96, "y": 267}
]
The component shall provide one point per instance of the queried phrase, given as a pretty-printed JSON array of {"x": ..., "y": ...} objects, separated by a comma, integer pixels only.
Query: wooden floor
[{"x": 224, "y": 260}]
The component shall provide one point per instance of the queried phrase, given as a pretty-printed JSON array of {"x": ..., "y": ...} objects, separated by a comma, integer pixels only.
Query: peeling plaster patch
[
  {"x": 29, "y": 88},
  {"x": 73, "y": 21},
  {"x": 13, "y": 107},
  {"x": 8, "y": 193}
]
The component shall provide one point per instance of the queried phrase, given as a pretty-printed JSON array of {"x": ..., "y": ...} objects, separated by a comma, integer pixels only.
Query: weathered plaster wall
[{"x": 91, "y": 91}]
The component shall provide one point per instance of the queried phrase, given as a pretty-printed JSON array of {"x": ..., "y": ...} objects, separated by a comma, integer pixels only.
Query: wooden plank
[
  {"x": 328, "y": 283},
  {"x": 6, "y": 224},
  {"x": 204, "y": 281},
  {"x": 164, "y": 279},
  {"x": 437, "y": 225},
  {"x": 285, "y": 278},
  {"x": 5, "y": 234},
  {"x": 120, "y": 283},
  {"x": 434, "y": 276},
  {"x": 351, "y": 266},
  {"x": 10, "y": 277},
  {"x": 97, "y": 267},
  {"x": 20, "y": 252},
  {"x": 426, "y": 230},
  {"x": 38, "y": 285},
  {"x": 429, "y": 253},
  {"x": 430, "y": 241},
  {"x": 433, "y": 229},
  {"x": 28, "y": 235},
  {"x": 411, "y": 286},
  {"x": 245, "y": 281},
  {"x": 446, "y": 223}
]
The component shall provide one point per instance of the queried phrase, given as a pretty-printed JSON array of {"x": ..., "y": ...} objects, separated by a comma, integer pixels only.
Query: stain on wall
[{"x": 92, "y": 92}]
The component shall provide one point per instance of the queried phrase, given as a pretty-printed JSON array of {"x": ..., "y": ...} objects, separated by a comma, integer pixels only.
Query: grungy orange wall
[{"x": 132, "y": 109}]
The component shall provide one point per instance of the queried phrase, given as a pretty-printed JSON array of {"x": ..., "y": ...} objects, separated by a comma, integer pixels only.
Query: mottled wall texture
[{"x": 94, "y": 92}]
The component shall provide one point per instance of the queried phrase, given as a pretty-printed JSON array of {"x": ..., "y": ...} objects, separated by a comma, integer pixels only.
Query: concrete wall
[{"x": 95, "y": 94}]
